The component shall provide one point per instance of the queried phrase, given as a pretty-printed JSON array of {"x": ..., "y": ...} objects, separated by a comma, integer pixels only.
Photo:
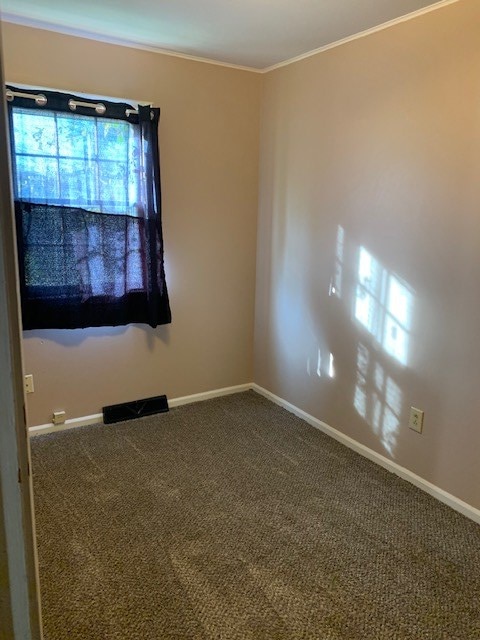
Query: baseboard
[
  {"x": 97, "y": 418},
  {"x": 208, "y": 395},
  {"x": 443, "y": 496},
  {"x": 455, "y": 503},
  {"x": 72, "y": 423}
]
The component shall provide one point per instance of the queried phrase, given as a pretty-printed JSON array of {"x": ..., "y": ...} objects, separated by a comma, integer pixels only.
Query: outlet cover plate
[
  {"x": 29, "y": 388},
  {"x": 416, "y": 420},
  {"x": 58, "y": 417}
]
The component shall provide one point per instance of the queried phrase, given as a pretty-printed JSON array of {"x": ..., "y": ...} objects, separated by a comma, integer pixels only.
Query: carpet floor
[{"x": 233, "y": 519}]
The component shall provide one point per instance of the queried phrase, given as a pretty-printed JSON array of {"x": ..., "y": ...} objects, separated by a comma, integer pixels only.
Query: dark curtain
[{"x": 101, "y": 263}]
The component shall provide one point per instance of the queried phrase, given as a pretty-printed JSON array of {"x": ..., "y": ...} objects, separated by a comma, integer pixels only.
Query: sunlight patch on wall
[
  {"x": 377, "y": 398},
  {"x": 383, "y": 305},
  {"x": 336, "y": 282},
  {"x": 325, "y": 367},
  {"x": 331, "y": 367},
  {"x": 319, "y": 364}
]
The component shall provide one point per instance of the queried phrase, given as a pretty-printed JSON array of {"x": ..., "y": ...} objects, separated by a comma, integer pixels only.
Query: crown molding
[
  {"x": 362, "y": 34},
  {"x": 25, "y": 21},
  {"x": 101, "y": 37}
]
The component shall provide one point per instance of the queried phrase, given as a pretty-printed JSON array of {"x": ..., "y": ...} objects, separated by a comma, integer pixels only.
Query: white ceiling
[{"x": 251, "y": 33}]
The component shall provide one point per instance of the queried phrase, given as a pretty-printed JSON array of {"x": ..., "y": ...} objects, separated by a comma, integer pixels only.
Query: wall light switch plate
[
  {"x": 29, "y": 388},
  {"x": 416, "y": 420}
]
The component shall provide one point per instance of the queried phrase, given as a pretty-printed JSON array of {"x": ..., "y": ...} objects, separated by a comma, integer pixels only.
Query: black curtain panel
[{"x": 88, "y": 211}]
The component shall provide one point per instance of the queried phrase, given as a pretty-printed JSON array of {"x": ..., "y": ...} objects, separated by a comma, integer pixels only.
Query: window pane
[
  {"x": 37, "y": 178},
  {"x": 76, "y": 136},
  {"x": 114, "y": 185},
  {"x": 34, "y": 133},
  {"x": 91, "y": 162},
  {"x": 77, "y": 183},
  {"x": 113, "y": 139}
]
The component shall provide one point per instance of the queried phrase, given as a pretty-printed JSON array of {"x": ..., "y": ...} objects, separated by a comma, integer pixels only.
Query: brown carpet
[{"x": 233, "y": 519}]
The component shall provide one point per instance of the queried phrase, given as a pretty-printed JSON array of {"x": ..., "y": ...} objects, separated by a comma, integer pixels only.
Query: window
[
  {"x": 87, "y": 202},
  {"x": 67, "y": 159}
]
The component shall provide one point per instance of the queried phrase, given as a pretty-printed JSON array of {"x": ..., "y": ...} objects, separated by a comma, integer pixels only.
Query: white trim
[
  {"x": 447, "y": 498},
  {"x": 20, "y": 586},
  {"x": 455, "y": 503},
  {"x": 362, "y": 34},
  {"x": 72, "y": 423},
  {"x": 25, "y": 21},
  {"x": 97, "y": 418},
  {"x": 207, "y": 395}
]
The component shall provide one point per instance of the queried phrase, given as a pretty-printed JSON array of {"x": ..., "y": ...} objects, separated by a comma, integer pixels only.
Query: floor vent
[{"x": 135, "y": 409}]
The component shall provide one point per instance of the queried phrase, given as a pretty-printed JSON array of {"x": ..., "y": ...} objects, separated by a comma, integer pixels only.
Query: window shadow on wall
[{"x": 380, "y": 305}]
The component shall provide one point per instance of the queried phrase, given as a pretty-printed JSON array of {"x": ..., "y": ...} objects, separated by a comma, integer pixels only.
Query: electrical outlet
[
  {"x": 58, "y": 417},
  {"x": 29, "y": 388},
  {"x": 416, "y": 420}
]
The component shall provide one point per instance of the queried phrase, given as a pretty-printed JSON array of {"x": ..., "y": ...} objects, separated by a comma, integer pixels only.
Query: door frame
[{"x": 20, "y": 611}]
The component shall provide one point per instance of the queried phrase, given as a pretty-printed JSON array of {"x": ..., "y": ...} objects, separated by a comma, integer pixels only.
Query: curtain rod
[{"x": 41, "y": 100}]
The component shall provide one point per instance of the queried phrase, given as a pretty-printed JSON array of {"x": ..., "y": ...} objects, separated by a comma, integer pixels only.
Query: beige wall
[
  {"x": 209, "y": 155},
  {"x": 381, "y": 137}
]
